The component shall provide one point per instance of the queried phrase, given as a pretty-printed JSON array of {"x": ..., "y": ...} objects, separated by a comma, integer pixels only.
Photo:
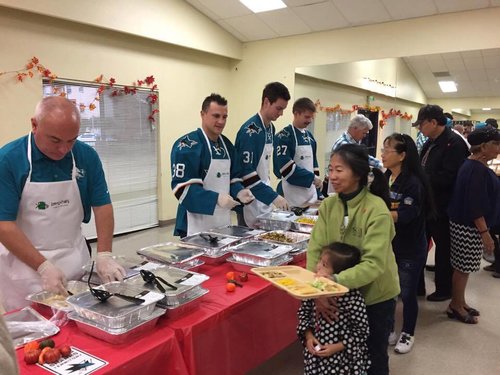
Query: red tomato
[
  {"x": 230, "y": 287},
  {"x": 65, "y": 350},
  {"x": 31, "y": 356},
  {"x": 230, "y": 275}
]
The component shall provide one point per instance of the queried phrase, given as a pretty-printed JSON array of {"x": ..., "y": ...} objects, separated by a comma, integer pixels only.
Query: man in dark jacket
[{"x": 441, "y": 157}]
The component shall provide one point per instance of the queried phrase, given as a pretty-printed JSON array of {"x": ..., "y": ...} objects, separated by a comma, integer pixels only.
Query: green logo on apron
[{"x": 42, "y": 206}]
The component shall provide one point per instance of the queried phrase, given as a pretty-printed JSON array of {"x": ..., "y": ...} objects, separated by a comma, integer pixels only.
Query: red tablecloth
[
  {"x": 231, "y": 333},
  {"x": 156, "y": 352}
]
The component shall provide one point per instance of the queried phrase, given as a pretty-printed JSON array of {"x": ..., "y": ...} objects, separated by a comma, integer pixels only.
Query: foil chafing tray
[
  {"x": 276, "y": 220},
  {"x": 27, "y": 325},
  {"x": 129, "y": 264},
  {"x": 304, "y": 223},
  {"x": 214, "y": 245},
  {"x": 117, "y": 335},
  {"x": 185, "y": 281},
  {"x": 45, "y": 302},
  {"x": 247, "y": 267},
  {"x": 175, "y": 254},
  {"x": 260, "y": 253},
  {"x": 237, "y": 231},
  {"x": 115, "y": 312},
  {"x": 191, "y": 301},
  {"x": 297, "y": 240}
]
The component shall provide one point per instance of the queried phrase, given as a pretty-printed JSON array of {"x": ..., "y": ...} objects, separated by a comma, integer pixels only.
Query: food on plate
[
  {"x": 273, "y": 274},
  {"x": 57, "y": 301},
  {"x": 230, "y": 287},
  {"x": 243, "y": 277},
  {"x": 277, "y": 237},
  {"x": 303, "y": 289},
  {"x": 286, "y": 281},
  {"x": 306, "y": 220},
  {"x": 325, "y": 286}
]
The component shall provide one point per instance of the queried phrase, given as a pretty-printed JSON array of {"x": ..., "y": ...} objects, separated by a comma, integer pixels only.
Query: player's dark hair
[
  {"x": 274, "y": 91},
  {"x": 342, "y": 256},
  {"x": 302, "y": 105},
  {"x": 213, "y": 98}
]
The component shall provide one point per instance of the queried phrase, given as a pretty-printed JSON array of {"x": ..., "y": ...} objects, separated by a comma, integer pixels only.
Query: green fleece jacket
[{"x": 371, "y": 229}]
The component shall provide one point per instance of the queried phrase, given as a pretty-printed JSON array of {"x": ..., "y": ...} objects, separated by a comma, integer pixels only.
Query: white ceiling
[{"x": 477, "y": 73}]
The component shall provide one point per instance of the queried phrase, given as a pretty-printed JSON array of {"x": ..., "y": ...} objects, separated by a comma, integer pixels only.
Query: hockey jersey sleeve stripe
[
  {"x": 251, "y": 181},
  {"x": 288, "y": 169},
  {"x": 179, "y": 189},
  {"x": 291, "y": 172},
  {"x": 234, "y": 180},
  {"x": 316, "y": 171}
]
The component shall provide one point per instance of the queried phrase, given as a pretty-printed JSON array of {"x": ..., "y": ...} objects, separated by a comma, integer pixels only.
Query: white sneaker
[
  {"x": 405, "y": 343},
  {"x": 393, "y": 338}
]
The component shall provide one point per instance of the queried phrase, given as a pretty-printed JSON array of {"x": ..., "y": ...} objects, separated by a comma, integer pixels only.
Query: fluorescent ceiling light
[
  {"x": 486, "y": 109},
  {"x": 448, "y": 86},
  {"x": 258, "y": 6}
]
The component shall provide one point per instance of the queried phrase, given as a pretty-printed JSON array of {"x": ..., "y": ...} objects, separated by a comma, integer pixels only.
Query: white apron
[
  {"x": 50, "y": 215},
  {"x": 218, "y": 179},
  {"x": 256, "y": 207},
  {"x": 298, "y": 196}
]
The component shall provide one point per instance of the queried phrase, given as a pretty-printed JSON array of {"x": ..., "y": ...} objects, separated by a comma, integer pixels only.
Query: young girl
[{"x": 338, "y": 347}]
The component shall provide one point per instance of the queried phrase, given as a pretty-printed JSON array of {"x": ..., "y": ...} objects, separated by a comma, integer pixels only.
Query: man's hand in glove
[
  {"x": 107, "y": 268},
  {"x": 245, "y": 196},
  {"x": 281, "y": 203},
  {"x": 318, "y": 182},
  {"x": 226, "y": 201},
  {"x": 53, "y": 279}
]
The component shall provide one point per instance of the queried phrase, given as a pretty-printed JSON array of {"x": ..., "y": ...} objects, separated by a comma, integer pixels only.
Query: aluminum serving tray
[
  {"x": 260, "y": 253},
  {"x": 44, "y": 302},
  {"x": 192, "y": 300},
  {"x": 175, "y": 254},
  {"x": 247, "y": 267},
  {"x": 237, "y": 231},
  {"x": 276, "y": 220},
  {"x": 27, "y": 325},
  {"x": 129, "y": 264},
  {"x": 117, "y": 335},
  {"x": 298, "y": 255},
  {"x": 297, "y": 240},
  {"x": 115, "y": 312},
  {"x": 214, "y": 245},
  {"x": 185, "y": 281},
  {"x": 304, "y": 227}
]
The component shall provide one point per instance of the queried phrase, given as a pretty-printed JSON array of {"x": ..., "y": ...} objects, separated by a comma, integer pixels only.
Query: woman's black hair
[
  {"x": 411, "y": 165},
  {"x": 356, "y": 157},
  {"x": 342, "y": 256}
]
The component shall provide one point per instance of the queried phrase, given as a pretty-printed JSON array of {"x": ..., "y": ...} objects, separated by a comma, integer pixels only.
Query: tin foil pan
[
  {"x": 276, "y": 220},
  {"x": 237, "y": 231},
  {"x": 45, "y": 302},
  {"x": 297, "y": 240},
  {"x": 185, "y": 281},
  {"x": 129, "y": 264},
  {"x": 259, "y": 252},
  {"x": 214, "y": 245},
  {"x": 191, "y": 301},
  {"x": 176, "y": 254},
  {"x": 304, "y": 223},
  {"x": 214, "y": 260},
  {"x": 247, "y": 267},
  {"x": 117, "y": 335},
  {"x": 115, "y": 312},
  {"x": 27, "y": 325}
]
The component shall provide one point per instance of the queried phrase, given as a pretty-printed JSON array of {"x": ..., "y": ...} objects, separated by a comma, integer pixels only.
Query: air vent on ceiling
[{"x": 441, "y": 74}]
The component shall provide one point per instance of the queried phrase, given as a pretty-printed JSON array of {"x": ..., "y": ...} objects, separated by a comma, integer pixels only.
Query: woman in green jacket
[{"x": 358, "y": 214}]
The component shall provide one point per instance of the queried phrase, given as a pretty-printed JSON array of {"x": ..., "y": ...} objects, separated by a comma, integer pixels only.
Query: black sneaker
[
  {"x": 434, "y": 297},
  {"x": 490, "y": 268}
]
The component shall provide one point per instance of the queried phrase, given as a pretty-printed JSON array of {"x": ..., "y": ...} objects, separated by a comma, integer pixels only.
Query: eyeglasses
[{"x": 387, "y": 150}]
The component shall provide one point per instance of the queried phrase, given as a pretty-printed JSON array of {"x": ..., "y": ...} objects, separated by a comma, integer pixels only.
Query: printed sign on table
[{"x": 78, "y": 362}]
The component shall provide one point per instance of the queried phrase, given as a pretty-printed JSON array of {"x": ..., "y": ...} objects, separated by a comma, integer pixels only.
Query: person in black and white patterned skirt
[
  {"x": 338, "y": 347},
  {"x": 474, "y": 208}
]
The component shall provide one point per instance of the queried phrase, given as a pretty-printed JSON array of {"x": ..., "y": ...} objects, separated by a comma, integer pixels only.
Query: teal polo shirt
[{"x": 14, "y": 169}]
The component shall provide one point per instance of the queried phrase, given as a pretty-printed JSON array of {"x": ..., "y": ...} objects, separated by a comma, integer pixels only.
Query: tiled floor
[{"x": 442, "y": 346}]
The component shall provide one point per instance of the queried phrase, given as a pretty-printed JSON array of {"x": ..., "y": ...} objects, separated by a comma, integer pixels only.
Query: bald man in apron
[{"x": 49, "y": 182}]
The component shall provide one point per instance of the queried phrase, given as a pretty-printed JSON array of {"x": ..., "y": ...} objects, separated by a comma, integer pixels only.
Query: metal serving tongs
[
  {"x": 150, "y": 278},
  {"x": 298, "y": 211},
  {"x": 209, "y": 238},
  {"x": 104, "y": 295}
]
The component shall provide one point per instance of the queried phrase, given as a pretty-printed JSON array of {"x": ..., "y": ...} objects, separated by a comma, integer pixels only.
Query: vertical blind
[{"x": 126, "y": 141}]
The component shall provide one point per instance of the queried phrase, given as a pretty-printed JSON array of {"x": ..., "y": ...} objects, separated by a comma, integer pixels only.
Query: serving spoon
[{"x": 150, "y": 278}]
